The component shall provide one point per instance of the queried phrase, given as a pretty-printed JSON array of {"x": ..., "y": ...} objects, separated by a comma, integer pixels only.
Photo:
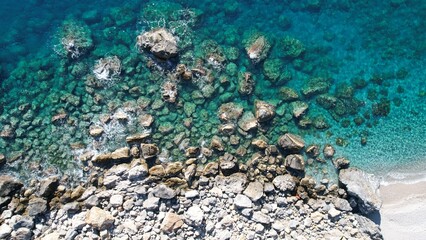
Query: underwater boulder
[{"x": 159, "y": 42}]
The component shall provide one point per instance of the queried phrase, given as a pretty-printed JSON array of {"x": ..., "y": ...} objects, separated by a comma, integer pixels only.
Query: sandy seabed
[{"x": 403, "y": 213}]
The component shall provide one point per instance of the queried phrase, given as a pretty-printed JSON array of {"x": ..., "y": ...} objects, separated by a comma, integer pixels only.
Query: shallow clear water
[{"x": 373, "y": 55}]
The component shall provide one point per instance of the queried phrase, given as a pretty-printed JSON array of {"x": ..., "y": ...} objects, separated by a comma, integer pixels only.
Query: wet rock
[
  {"x": 211, "y": 169},
  {"x": 230, "y": 112},
  {"x": 159, "y": 42},
  {"x": 9, "y": 185},
  {"x": 259, "y": 143},
  {"x": 328, "y": 151},
  {"x": 96, "y": 131},
  {"x": 254, "y": 191},
  {"x": 36, "y": 206},
  {"x": 48, "y": 186},
  {"x": 264, "y": 111},
  {"x": 157, "y": 170},
  {"x": 216, "y": 143},
  {"x": 146, "y": 120},
  {"x": 362, "y": 189},
  {"x": 2, "y": 159},
  {"x": 242, "y": 201},
  {"x": 246, "y": 83},
  {"x": 288, "y": 94},
  {"x": 121, "y": 154},
  {"x": 192, "y": 152},
  {"x": 284, "y": 183},
  {"x": 234, "y": 183},
  {"x": 99, "y": 219},
  {"x": 248, "y": 122},
  {"x": 174, "y": 168},
  {"x": 316, "y": 86},
  {"x": 227, "y": 129},
  {"x": 149, "y": 150},
  {"x": 326, "y": 101},
  {"x": 291, "y": 142},
  {"x": 341, "y": 163},
  {"x": 295, "y": 162},
  {"x": 137, "y": 137},
  {"x": 164, "y": 192},
  {"x": 257, "y": 47},
  {"x": 171, "y": 222},
  {"x": 299, "y": 108},
  {"x": 194, "y": 216}
]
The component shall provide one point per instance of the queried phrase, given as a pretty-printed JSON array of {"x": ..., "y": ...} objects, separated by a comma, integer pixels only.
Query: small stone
[
  {"x": 261, "y": 218},
  {"x": 194, "y": 215},
  {"x": 77, "y": 192},
  {"x": 96, "y": 131},
  {"x": 48, "y": 186},
  {"x": 162, "y": 191},
  {"x": 247, "y": 122},
  {"x": 242, "y": 201},
  {"x": 159, "y": 42},
  {"x": 299, "y": 108},
  {"x": 171, "y": 222},
  {"x": 116, "y": 200},
  {"x": 192, "y": 194},
  {"x": 140, "y": 137},
  {"x": 157, "y": 170},
  {"x": 334, "y": 213},
  {"x": 234, "y": 183},
  {"x": 254, "y": 191},
  {"x": 328, "y": 151},
  {"x": 341, "y": 163},
  {"x": 152, "y": 203},
  {"x": 23, "y": 234},
  {"x": 313, "y": 151},
  {"x": 173, "y": 168},
  {"x": 211, "y": 169},
  {"x": 99, "y": 219}
]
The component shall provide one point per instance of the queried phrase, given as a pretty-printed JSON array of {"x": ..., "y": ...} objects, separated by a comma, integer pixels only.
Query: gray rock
[
  {"x": 284, "y": 182},
  {"x": 247, "y": 212},
  {"x": 254, "y": 191},
  {"x": 116, "y": 200},
  {"x": 369, "y": 229},
  {"x": 87, "y": 193},
  {"x": 362, "y": 188},
  {"x": 194, "y": 216},
  {"x": 111, "y": 181},
  {"x": 48, "y": 186},
  {"x": 293, "y": 224},
  {"x": 91, "y": 201},
  {"x": 9, "y": 185},
  {"x": 128, "y": 204},
  {"x": 242, "y": 201},
  {"x": 341, "y": 204},
  {"x": 164, "y": 192},
  {"x": 192, "y": 194},
  {"x": 234, "y": 183},
  {"x": 223, "y": 235},
  {"x": 278, "y": 225},
  {"x": 159, "y": 42},
  {"x": 291, "y": 142},
  {"x": 260, "y": 217},
  {"x": 22, "y": 234},
  {"x": 333, "y": 213},
  {"x": 5, "y": 231},
  {"x": 71, "y": 207},
  {"x": 138, "y": 172},
  {"x": 19, "y": 221},
  {"x": 36, "y": 206},
  {"x": 295, "y": 162},
  {"x": 341, "y": 163},
  {"x": 152, "y": 203}
]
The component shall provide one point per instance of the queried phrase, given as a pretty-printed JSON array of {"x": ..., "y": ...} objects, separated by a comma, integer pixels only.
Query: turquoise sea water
[{"x": 370, "y": 58}]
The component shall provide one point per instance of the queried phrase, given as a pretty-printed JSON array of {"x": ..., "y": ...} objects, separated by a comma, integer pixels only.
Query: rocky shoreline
[{"x": 130, "y": 194}]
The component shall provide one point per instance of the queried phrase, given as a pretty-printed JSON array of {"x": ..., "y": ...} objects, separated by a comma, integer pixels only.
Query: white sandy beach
[{"x": 403, "y": 214}]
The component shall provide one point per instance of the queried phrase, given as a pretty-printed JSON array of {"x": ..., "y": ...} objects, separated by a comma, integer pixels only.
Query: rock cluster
[{"x": 137, "y": 197}]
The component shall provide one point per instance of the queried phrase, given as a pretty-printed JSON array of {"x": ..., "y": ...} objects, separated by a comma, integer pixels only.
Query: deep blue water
[{"x": 382, "y": 43}]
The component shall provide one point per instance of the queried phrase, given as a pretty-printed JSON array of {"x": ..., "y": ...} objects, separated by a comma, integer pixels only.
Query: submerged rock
[
  {"x": 246, "y": 83},
  {"x": 257, "y": 48},
  {"x": 362, "y": 189},
  {"x": 248, "y": 122},
  {"x": 264, "y": 111},
  {"x": 159, "y": 42}
]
